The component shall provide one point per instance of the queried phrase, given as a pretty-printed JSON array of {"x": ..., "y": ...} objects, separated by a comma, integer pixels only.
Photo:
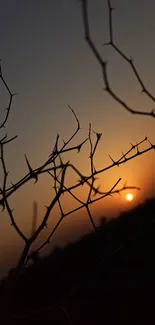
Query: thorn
[
  {"x": 137, "y": 149},
  {"x": 111, "y": 159},
  {"x": 133, "y": 146},
  {"x": 114, "y": 162},
  {"x": 152, "y": 146},
  {"x": 125, "y": 159},
  {"x": 61, "y": 162},
  {"x": 110, "y": 195},
  {"x": 79, "y": 147},
  {"x": 32, "y": 173},
  {"x": 82, "y": 180},
  {"x": 13, "y": 184},
  {"x": 96, "y": 190},
  {"x": 28, "y": 164},
  {"x": 55, "y": 150}
]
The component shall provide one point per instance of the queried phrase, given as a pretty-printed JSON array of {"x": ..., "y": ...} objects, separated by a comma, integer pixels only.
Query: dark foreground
[{"x": 104, "y": 278}]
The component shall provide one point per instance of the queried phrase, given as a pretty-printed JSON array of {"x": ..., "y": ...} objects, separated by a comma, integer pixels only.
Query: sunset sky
[{"x": 46, "y": 60}]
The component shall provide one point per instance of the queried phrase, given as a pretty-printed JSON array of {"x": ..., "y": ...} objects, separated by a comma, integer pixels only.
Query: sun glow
[{"x": 129, "y": 197}]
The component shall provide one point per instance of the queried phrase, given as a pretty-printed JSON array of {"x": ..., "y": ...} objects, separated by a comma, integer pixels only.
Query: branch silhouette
[
  {"x": 104, "y": 65},
  {"x": 58, "y": 171},
  {"x": 55, "y": 166}
]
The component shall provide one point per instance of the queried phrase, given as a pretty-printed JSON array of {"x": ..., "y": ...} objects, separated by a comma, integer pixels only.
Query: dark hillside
[{"x": 108, "y": 276}]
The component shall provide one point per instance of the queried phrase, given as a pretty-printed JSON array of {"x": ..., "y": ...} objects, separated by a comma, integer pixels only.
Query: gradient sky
[{"x": 46, "y": 60}]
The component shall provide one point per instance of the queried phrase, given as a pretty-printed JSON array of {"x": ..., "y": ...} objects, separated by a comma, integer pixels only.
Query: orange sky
[{"x": 50, "y": 66}]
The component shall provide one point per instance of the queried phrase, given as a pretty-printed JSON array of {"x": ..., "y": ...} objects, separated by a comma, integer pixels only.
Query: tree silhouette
[{"x": 55, "y": 166}]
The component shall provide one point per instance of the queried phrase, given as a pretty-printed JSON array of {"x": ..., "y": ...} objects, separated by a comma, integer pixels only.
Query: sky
[{"x": 46, "y": 60}]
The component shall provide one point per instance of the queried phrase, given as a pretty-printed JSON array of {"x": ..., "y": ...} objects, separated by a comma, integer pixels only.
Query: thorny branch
[
  {"x": 103, "y": 64},
  {"x": 55, "y": 166}
]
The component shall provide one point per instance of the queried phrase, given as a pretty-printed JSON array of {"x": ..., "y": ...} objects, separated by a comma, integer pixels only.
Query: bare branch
[
  {"x": 129, "y": 60},
  {"x": 103, "y": 63}
]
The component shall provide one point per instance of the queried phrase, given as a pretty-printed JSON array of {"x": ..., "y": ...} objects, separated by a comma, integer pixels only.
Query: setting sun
[{"x": 129, "y": 197}]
